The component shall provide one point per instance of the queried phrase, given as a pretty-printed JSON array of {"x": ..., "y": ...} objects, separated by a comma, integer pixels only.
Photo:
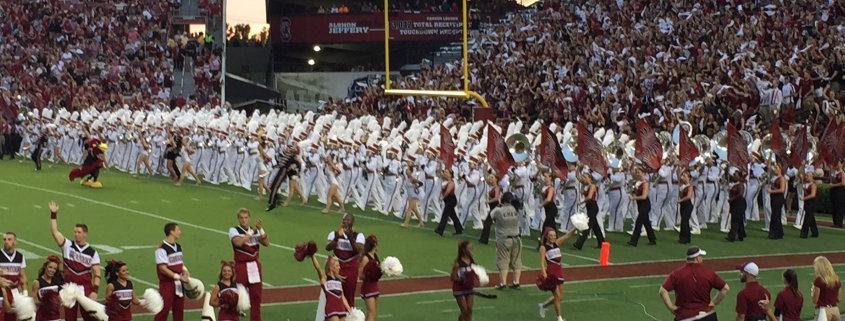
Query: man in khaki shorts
[{"x": 508, "y": 241}]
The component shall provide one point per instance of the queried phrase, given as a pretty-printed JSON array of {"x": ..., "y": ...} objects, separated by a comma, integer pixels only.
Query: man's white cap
[
  {"x": 750, "y": 268},
  {"x": 694, "y": 252}
]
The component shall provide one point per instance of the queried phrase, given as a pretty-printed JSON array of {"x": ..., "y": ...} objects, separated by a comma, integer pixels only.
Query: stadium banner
[
  {"x": 307, "y": 90},
  {"x": 365, "y": 28}
]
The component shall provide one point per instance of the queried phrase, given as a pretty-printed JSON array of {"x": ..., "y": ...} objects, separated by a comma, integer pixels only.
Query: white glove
[{"x": 177, "y": 277}]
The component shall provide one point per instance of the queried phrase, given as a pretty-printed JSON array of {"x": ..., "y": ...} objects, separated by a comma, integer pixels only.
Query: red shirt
[
  {"x": 789, "y": 304},
  {"x": 827, "y": 296},
  {"x": 747, "y": 300},
  {"x": 692, "y": 284}
]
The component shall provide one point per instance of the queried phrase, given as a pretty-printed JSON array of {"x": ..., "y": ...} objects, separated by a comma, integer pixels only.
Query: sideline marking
[
  {"x": 133, "y": 202},
  {"x": 223, "y": 197},
  {"x": 54, "y": 251},
  {"x": 37, "y": 206},
  {"x": 486, "y": 307},
  {"x": 442, "y": 272},
  {"x": 195, "y": 199},
  {"x": 4, "y": 208},
  {"x": 435, "y": 301},
  {"x": 164, "y": 218},
  {"x": 266, "y": 284},
  {"x": 139, "y": 247},
  {"x": 311, "y": 281},
  {"x": 645, "y": 285},
  {"x": 71, "y": 205}
]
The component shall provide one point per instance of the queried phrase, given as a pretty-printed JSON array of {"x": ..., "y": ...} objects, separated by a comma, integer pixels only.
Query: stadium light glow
[
  {"x": 311, "y": 62},
  {"x": 317, "y": 48}
]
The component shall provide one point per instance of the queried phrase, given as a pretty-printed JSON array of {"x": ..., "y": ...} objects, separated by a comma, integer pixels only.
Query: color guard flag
[
  {"x": 550, "y": 153},
  {"x": 589, "y": 151},
  {"x": 498, "y": 154},
  {"x": 687, "y": 151},
  {"x": 778, "y": 145},
  {"x": 447, "y": 147},
  {"x": 840, "y": 145},
  {"x": 647, "y": 149},
  {"x": 828, "y": 143},
  {"x": 799, "y": 147},
  {"x": 737, "y": 149}
]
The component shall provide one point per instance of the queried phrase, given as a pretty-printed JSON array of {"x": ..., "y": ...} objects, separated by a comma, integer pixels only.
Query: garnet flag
[
  {"x": 799, "y": 147},
  {"x": 687, "y": 151},
  {"x": 589, "y": 151},
  {"x": 647, "y": 149},
  {"x": 551, "y": 154},
  {"x": 447, "y": 147},
  {"x": 498, "y": 154},
  {"x": 828, "y": 143},
  {"x": 840, "y": 146},
  {"x": 737, "y": 149},
  {"x": 778, "y": 145}
]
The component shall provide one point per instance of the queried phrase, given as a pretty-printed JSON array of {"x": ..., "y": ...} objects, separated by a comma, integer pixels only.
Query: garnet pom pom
[
  {"x": 481, "y": 272},
  {"x": 112, "y": 306},
  {"x": 372, "y": 271},
  {"x": 470, "y": 278},
  {"x": 304, "y": 250},
  {"x": 50, "y": 302},
  {"x": 229, "y": 301},
  {"x": 547, "y": 283}
]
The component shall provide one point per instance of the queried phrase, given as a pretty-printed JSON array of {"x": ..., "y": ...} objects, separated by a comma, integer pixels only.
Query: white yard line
[
  {"x": 163, "y": 218},
  {"x": 4, "y": 208},
  {"x": 476, "y": 308},
  {"x": 71, "y": 205},
  {"x": 133, "y": 202},
  {"x": 56, "y": 251},
  {"x": 435, "y": 301},
  {"x": 442, "y": 272},
  {"x": 729, "y": 257},
  {"x": 311, "y": 281},
  {"x": 645, "y": 285},
  {"x": 37, "y": 206}
]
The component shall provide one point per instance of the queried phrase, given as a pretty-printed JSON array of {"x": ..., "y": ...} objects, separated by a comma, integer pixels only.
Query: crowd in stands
[
  {"x": 79, "y": 53},
  {"x": 610, "y": 63},
  {"x": 415, "y": 6}
]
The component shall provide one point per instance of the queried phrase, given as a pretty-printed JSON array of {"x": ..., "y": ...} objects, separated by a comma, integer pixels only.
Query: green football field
[{"x": 127, "y": 215}]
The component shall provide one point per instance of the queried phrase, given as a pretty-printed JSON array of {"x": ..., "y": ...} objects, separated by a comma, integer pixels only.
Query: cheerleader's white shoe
[{"x": 542, "y": 310}]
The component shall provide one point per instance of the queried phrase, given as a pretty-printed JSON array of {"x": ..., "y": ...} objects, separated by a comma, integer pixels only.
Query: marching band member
[
  {"x": 523, "y": 191},
  {"x": 158, "y": 147},
  {"x": 267, "y": 149},
  {"x": 312, "y": 160},
  {"x": 469, "y": 207},
  {"x": 808, "y": 184},
  {"x": 225, "y": 282},
  {"x": 697, "y": 180},
  {"x": 723, "y": 205},
  {"x": 254, "y": 164},
  {"x": 349, "y": 161},
  {"x": 347, "y": 245},
  {"x": 431, "y": 188},
  {"x": 45, "y": 290},
  {"x": 392, "y": 181},
  {"x": 570, "y": 195},
  {"x": 776, "y": 189},
  {"x": 447, "y": 195},
  {"x": 221, "y": 147},
  {"x": 120, "y": 289},
  {"x": 642, "y": 189},
  {"x": 332, "y": 194},
  {"x": 601, "y": 200},
  {"x": 659, "y": 197},
  {"x": 685, "y": 196},
  {"x": 616, "y": 216},
  {"x": 712, "y": 191},
  {"x": 752, "y": 211},
  {"x": 246, "y": 243},
  {"x": 737, "y": 203},
  {"x": 198, "y": 144},
  {"x": 238, "y": 156},
  {"x": 372, "y": 188}
]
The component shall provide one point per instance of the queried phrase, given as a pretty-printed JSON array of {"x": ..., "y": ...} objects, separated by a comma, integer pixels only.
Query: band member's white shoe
[
  {"x": 765, "y": 229},
  {"x": 725, "y": 230},
  {"x": 695, "y": 232},
  {"x": 797, "y": 227}
]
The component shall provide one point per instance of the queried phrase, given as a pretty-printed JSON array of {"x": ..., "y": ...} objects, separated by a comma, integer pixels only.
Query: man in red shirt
[
  {"x": 747, "y": 300},
  {"x": 692, "y": 284}
]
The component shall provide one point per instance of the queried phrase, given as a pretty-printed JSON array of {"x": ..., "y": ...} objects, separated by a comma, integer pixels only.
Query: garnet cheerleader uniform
[
  {"x": 227, "y": 313},
  {"x": 463, "y": 287},
  {"x": 553, "y": 268},
  {"x": 46, "y": 312},
  {"x": 369, "y": 288},
  {"x": 333, "y": 289},
  {"x": 124, "y": 298}
]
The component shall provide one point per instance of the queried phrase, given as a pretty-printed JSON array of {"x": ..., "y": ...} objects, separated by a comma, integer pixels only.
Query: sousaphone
[{"x": 518, "y": 145}]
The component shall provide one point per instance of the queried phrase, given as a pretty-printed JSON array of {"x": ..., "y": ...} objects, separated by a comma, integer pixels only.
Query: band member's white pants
[{"x": 752, "y": 211}]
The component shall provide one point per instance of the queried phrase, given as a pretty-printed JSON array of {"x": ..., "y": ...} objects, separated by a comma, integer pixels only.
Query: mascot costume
[{"x": 94, "y": 160}]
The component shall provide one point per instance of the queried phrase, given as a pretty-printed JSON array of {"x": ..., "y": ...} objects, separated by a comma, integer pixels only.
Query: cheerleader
[
  {"x": 447, "y": 195},
  {"x": 685, "y": 193},
  {"x": 45, "y": 290},
  {"x": 552, "y": 270},
  {"x": 333, "y": 193},
  {"x": 225, "y": 287},
  {"x": 370, "y": 276},
  {"x": 185, "y": 154},
  {"x": 143, "y": 154},
  {"x": 120, "y": 291},
  {"x": 810, "y": 203},
  {"x": 776, "y": 190},
  {"x": 412, "y": 185},
  {"x": 336, "y": 306},
  {"x": 462, "y": 280},
  {"x": 643, "y": 208},
  {"x": 736, "y": 201},
  {"x": 591, "y": 204}
]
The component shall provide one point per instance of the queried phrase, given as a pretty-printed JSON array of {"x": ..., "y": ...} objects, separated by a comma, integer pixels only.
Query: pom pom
[
  {"x": 372, "y": 272},
  {"x": 243, "y": 299},
  {"x": 24, "y": 307},
  {"x": 152, "y": 301},
  {"x": 355, "y": 314},
  {"x": 304, "y": 250},
  {"x": 95, "y": 309},
  {"x": 547, "y": 283},
  {"x": 207, "y": 311},
  {"x": 68, "y": 294},
  {"x": 481, "y": 272},
  {"x": 580, "y": 221},
  {"x": 391, "y": 266},
  {"x": 194, "y": 289},
  {"x": 50, "y": 302},
  {"x": 470, "y": 278},
  {"x": 112, "y": 306},
  {"x": 229, "y": 300}
]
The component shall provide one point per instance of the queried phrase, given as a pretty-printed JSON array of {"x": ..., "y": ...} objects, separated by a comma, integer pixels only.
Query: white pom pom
[
  {"x": 391, "y": 266},
  {"x": 243, "y": 299},
  {"x": 94, "y": 308},
  {"x": 68, "y": 294},
  {"x": 24, "y": 307},
  {"x": 152, "y": 301},
  {"x": 481, "y": 272},
  {"x": 580, "y": 221},
  {"x": 193, "y": 289},
  {"x": 355, "y": 315}
]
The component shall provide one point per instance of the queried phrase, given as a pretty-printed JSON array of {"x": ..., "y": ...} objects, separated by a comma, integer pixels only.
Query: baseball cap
[
  {"x": 750, "y": 268},
  {"x": 695, "y": 251}
]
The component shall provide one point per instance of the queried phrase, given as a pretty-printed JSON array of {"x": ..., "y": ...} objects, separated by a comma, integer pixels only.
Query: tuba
[
  {"x": 569, "y": 149},
  {"x": 719, "y": 144},
  {"x": 677, "y": 131},
  {"x": 518, "y": 145}
]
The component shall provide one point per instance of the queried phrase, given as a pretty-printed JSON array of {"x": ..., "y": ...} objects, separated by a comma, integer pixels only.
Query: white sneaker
[
  {"x": 725, "y": 230},
  {"x": 542, "y": 310},
  {"x": 559, "y": 318},
  {"x": 765, "y": 229},
  {"x": 797, "y": 227},
  {"x": 695, "y": 232}
]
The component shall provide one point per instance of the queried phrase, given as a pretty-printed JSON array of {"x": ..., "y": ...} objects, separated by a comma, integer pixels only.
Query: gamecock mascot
[{"x": 94, "y": 160}]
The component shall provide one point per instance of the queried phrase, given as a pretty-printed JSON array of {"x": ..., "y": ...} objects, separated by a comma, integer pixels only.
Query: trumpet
[{"x": 631, "y": 186}]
